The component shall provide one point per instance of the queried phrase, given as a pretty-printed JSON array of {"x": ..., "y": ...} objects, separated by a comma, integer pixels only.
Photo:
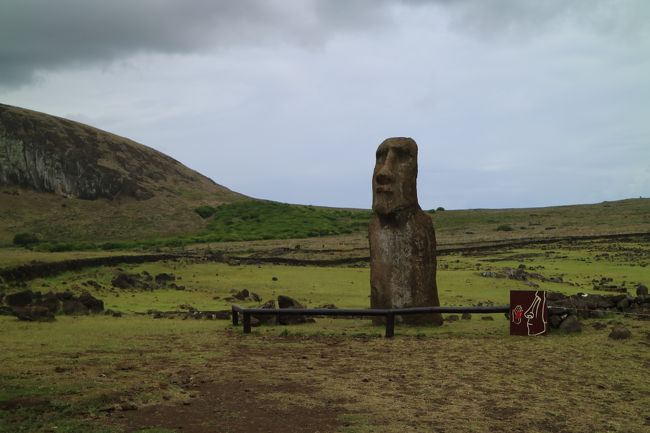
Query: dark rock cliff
[{"x": 51, "y": 154}]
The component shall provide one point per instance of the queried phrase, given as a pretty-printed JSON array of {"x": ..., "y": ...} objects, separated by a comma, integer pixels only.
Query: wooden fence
[{"x": 388, "y": 314}]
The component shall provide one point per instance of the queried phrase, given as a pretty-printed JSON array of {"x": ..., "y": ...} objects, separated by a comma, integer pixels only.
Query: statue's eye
[{"x": 381, "y": 155}]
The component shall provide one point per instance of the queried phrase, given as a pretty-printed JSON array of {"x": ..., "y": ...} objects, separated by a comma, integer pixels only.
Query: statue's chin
[{"x": 389, "y": 208}]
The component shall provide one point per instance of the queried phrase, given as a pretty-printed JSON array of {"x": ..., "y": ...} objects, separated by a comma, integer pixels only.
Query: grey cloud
[
  {"x": 38, "y": 35},
  {"x": 42, "y": 35}
]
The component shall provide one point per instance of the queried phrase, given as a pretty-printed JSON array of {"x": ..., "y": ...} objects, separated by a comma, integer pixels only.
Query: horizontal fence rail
[{"x": 389, "y": 314}]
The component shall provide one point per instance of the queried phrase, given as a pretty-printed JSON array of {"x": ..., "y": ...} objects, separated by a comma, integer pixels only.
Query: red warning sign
[{"x": 528, "y": 312}]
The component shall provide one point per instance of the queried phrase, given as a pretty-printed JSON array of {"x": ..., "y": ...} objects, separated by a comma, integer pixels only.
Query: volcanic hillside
[{"x": 62, "y": 180}]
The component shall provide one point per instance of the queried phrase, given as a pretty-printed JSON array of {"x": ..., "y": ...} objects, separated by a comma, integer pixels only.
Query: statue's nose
[{"x": 386, "y": 173}]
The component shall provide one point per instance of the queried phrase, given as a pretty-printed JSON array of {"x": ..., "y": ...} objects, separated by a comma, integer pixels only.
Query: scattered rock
[
  {"x": 65, "y": 296},
  {"x": 599, "y": 325},
  {"x": 466, "y": 316},
  {"x": 164, "y": 278},
  {"x": 451, "y": 318},
  {"x": 268, "y": 305},
  {"x": 570, "y": 325},
  {"x": 555, "y": 321},
  {"x": 74, "y": 308},
  {"x": 642, "y": 290},
  {"x": 50, "y": 301},
  {"x": 128, "y": 406},
  {"x": 623, "y": 304},
  {"x": 128, "y": 281},
  {"x": 274, "y": 278},
  {"x": 93, "y": 284},
  {"x": 113, "y": 313},
  {"x": 93, "y": 304},
  {"x": 19, "y": 299},
  {"x": 492, "y": 274},
  {"x": 620, "y": 332},
  {"x": 34, "y": 313},
  {"x": 255, "y": 297},
  {"x": 242, "y": 295},
  {"x": 286, "y": 302},
  {"x": 328, "y": 307},
  {"x": 487, "y": 318}
]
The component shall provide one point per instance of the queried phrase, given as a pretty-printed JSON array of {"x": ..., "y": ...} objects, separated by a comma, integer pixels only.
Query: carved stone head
[{"x": 394, "y": 181}]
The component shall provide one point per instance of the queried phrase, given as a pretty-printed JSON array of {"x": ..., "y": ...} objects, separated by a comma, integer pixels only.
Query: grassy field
[
  {"x": 139, "y": 374},
  {"x": 248, "y": 220}
]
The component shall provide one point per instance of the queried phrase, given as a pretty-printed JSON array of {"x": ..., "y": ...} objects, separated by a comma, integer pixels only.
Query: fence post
[
  {"x": 235, "y": 317},
  {"x": 390, "y": 325},
  {"x": 247, "y": 322}
]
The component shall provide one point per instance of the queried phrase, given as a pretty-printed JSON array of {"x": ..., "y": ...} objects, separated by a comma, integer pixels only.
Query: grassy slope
[
  {"x": 248, "y": 220},
  {"x": 464, "y": 376}
]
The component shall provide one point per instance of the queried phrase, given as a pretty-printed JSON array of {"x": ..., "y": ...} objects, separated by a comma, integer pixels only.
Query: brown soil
[{"x": 234, "y": 407}]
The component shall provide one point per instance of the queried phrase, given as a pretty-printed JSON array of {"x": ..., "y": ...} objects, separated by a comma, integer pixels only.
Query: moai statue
[{"x": 402, "y": 240}]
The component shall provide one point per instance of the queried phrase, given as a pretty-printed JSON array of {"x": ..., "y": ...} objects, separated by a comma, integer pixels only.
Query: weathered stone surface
[
  {"x": 641, "y": 290},
  {"x": 401, "y": 235},
  {"x": 73, "y": 308},
  {"x": 288, "y": 302},
  {"x": 555, "y": 321},
  {"x": 93, "y": 304},
  {"x": 620, "y": 332},
  {"x": 164, "y": 278},
  {"x": 50, "y": 301},
  {"x": 19, "y": 299},
  {"x": 269, "y": 305},
  {"x": 570, "y": 325},
  {"x": 34, "y": 313}
]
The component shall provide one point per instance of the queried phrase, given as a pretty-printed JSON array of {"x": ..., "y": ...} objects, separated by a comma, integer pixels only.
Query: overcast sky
[{"x": 512, "y": 103}]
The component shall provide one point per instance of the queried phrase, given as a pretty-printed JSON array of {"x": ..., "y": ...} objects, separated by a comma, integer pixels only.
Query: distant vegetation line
[
  {"x": 239, "y": 221},
  {"x": 254, "y": 220}
]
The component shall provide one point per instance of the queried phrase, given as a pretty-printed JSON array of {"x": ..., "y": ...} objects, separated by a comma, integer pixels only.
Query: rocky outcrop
[{"x": 51, "y": 154}]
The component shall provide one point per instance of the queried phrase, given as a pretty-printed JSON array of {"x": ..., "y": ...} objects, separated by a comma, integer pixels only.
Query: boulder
[
  {"x": 65, "y": 296},
  {"x": 620, "y": 332},
  {"x": 466, "y": 316},
  {"x": 73, "y": 308},
  {"x": 642, "y": 290},
  {"x": 271, "y": 319},
  {"x": 451, "y": 318},
  {"x": 570, "y": 325},
  {"x": 286, "y": 302},
  {"x": 113, "y": 313},
  {"x": 623, "y": 304},
  {"x": 242, "y": 295},
  {"x": 487, "y": 318},
  {"x": 555, "y": 321},
  {"x": 19, "y": 299},
  {"x": 128, "y": 281},
  {"x": 93, "y": 304},
  {"x": 50, "y": 301},
  {"x": 164, "y": 278}
]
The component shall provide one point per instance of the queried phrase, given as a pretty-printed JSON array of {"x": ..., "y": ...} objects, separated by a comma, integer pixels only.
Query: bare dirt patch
[{"x": 235, "y": 407}]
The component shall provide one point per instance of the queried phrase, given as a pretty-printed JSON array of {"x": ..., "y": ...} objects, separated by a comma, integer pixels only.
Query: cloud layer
[{"x": 513, "y": 103}]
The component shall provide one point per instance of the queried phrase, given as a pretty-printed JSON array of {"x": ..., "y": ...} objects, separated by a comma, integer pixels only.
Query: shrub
[
  {"x": 440, "y": 209},
  {"x": 205, "y": 211},
  {"x": 504, "y": 228},
  {"x": 26, "y": 239}
]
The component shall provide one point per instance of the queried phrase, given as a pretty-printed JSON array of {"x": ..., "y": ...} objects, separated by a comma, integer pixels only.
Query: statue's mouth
[{"x": 383, "y": 190}]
